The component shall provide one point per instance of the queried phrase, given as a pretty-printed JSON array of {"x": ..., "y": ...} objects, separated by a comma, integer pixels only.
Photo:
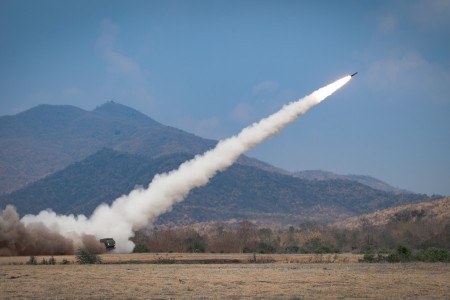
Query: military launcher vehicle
[{"x": 110, "y": 243}]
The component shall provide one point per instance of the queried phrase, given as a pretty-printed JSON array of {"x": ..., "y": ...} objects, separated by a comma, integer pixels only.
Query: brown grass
[{"x": 274, "y": 280}]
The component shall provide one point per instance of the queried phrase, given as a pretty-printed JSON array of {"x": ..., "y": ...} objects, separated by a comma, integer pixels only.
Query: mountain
[
  {"x": 241, "y": 192},
  {"x": 363, "y": 179},
  {"x": 71, "y": 160},
  {"x": 48, "y": 138},
  {"x": 437, "y": 210}
]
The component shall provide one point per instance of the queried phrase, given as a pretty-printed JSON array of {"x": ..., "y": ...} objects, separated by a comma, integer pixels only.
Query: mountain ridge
[
  {"x": 363, "y": 179},
  {"x": 240, "y": 192},
  {"x": 71, "y": 160}
]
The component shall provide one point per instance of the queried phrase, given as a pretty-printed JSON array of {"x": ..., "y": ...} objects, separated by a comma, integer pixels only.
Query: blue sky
[{"x": 214, "y": 67}]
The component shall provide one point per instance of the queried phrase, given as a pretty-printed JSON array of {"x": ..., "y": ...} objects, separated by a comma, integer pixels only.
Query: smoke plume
[
  {"x": 34, "y": 239},
  {"x": 131, "y": 212}
]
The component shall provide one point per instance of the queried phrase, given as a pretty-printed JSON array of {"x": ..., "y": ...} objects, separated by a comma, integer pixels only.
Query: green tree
[{"x": 194, "y": 243}]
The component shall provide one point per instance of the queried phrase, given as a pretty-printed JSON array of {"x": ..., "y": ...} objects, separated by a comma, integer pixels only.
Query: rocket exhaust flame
[{"x": 131, "y": 212}]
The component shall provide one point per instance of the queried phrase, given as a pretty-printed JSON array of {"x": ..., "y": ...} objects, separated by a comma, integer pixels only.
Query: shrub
[
  {"x": 291, "y": 249},
  {"x": 403, "y": 251},
  {"x": 266, "y": 248},
  {"x": 326, "y": 250},
  {"x": 52, "y": 261},
  {"x": 141, "y": 249},
  {"x": 247, "y": 249},
  {"x": 367, "y": 250},
  {"x": 372, "y": 258},
  {"x": 65, "y": 262},
  {"x": 86, "y": 256},
  {"x": 393, "y": 257},
  {"x": 369, "y": 258},
  {"x": 44, "y": 261},
  {"x": 402, "y": 254},
  {"x": 32, "y": 260},
  {"x": 433, "y": 255}
]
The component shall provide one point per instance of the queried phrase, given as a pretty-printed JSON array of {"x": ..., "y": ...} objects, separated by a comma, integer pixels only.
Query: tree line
[{"x": 407, "y": 229}]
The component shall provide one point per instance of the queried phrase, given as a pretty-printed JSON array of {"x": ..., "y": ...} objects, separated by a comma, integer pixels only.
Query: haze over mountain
[
  {"x": 363, "y": 179},
  {"x": 73, "y": 160},
  {"x": 241, "y": 192}
]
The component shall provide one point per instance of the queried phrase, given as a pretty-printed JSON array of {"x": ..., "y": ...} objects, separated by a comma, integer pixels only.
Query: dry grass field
[
  {"x": 198, "y": 258},
  {"x": 289, "y": 277}
]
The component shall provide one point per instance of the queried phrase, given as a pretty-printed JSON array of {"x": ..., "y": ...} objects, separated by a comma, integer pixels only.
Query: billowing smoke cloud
[
  {"x": 16, "y": 238},
  {"x": 141, "y": 206}
]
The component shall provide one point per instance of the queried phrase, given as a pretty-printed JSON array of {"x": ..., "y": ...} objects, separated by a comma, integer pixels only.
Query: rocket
[{"x": 354, "y": 74}]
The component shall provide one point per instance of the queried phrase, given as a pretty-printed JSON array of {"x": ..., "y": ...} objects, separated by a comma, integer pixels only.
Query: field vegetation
[{"x": 417, "y": 232}]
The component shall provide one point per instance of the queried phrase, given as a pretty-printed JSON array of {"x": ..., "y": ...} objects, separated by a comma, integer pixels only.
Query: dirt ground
[{"x": 282, "y": 280}]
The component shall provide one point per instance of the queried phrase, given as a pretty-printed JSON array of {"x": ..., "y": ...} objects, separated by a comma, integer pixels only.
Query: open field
[
  {"x": 202, "y": 258},
  {"x": 226, "y": 280}
]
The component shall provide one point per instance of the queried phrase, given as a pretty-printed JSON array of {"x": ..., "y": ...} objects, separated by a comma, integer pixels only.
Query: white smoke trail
[{"x": 141, "y": 206}]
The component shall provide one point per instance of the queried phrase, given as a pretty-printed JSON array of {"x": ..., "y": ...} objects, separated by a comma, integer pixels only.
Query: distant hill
[
  {"x": 241, "y": 192},
  {"x": 48, "y": 138},
  {"x": 437, "y": 210},
  {"x": 363, "y": 179}
]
